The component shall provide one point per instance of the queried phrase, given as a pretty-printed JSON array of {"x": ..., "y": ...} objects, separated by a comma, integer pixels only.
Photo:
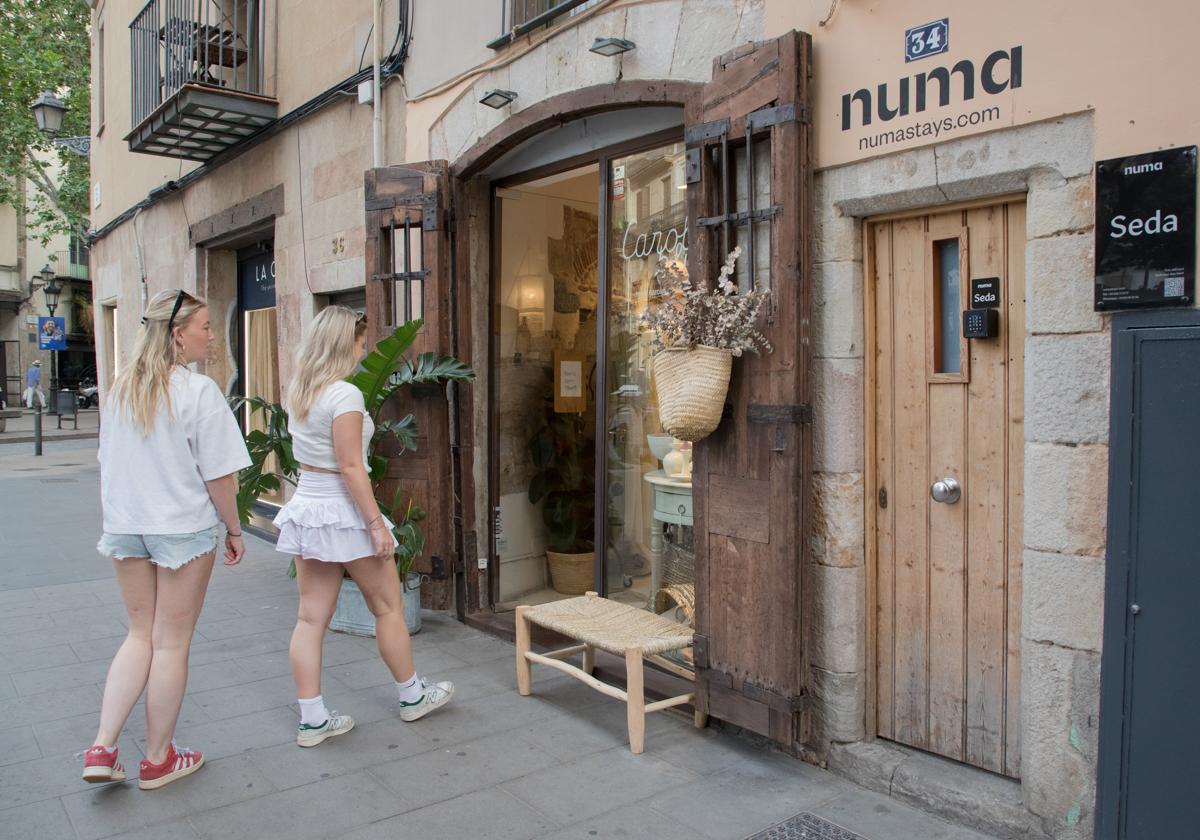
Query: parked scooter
[{"x": 87, "y": 394}]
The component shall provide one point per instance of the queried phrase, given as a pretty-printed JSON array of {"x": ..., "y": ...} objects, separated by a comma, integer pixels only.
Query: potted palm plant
[
  {"x": 384, "y": 372},
  {"x": 696, "y": 332},
  {"x": 564, "y": 484}
]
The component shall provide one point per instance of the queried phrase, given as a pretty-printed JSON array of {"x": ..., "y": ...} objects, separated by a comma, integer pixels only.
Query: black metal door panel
[{"x": 1150, "y": 684}]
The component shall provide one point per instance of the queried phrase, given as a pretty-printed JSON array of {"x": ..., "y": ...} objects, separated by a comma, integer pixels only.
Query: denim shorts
[{"x": 170, "y": 551}]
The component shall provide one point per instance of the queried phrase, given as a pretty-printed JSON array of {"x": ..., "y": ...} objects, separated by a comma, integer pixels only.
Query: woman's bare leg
[
  {"x": 130, "y": 668},
  {"x": 319, "y": 584},
  {"x": 179, "y": 600},
  {"x": 380, "y": 585}
]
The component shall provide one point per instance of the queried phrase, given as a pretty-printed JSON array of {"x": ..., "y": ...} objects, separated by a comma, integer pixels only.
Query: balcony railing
[
  {"x": 517, "y": 17},
  {"x": 197, "y": 76}
]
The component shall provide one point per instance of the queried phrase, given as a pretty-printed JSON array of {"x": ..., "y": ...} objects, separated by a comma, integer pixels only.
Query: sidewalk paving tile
[
  {"x": 445, "y": 773},
  {"x": 289, "y": 766},
  {"x": 324, "y": 809},
  {"x": 64, "y": 703},
  {"x": 765, "y": 793},
  {"x": 874, "y": 815},
  {"x": 487, "y": 813},
  {"x": 46, "y": 820},
  {"x": 20, "y": 744},
  {"x": 629, "y": 821},
  {"x": 60, "y": 677},
  {"x": 597, "y": 783}
]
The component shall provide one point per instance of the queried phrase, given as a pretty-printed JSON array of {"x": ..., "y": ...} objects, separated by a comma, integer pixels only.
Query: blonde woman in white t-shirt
[
  {"x": 333, "y": 525},
  {"x": 170, "y": 450}
]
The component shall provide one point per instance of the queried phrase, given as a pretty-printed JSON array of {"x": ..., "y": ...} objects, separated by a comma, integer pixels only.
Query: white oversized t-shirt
[
  {"x": 312, "y": 437},
  {"x": 154, "y": 484}
]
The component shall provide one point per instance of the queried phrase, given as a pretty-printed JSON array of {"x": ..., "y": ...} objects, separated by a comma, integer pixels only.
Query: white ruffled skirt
[{"x": 322, "y": 522}]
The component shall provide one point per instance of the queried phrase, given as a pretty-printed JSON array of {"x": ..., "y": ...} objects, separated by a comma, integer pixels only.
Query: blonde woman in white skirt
[{"x": 333, "y": 525}]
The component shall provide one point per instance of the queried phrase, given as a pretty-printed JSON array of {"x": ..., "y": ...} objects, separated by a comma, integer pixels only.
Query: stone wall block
[
  {"x": 837, "y": 620},
  {"x": 1067, "y": 388},
  {"x": 838, "y": 309},
  {"x": 1066, "y": 495},
  {"x": 837, "y": 415},
  {"x": 837, "y": 516},
  {"x": 1062, "y": 600},
  {"x": 1058, "y": 285}
]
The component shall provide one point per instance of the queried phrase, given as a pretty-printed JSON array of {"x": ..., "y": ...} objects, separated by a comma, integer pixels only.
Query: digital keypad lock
[{"x": 981, "y": 323}]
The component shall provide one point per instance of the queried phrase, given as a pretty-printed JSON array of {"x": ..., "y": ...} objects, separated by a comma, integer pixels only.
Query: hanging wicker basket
[
  {"x": 572, "y": 574},
  {"x": 691, "y": 386}
]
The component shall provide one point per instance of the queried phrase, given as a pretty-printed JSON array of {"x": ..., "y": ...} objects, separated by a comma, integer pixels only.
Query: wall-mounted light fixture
[
  {"x": 611, "y": 46},
  {"x": 498, "y": 98}
]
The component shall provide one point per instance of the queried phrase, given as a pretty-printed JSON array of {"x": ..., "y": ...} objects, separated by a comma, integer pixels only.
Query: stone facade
[{"x": 1066, "y": 432}]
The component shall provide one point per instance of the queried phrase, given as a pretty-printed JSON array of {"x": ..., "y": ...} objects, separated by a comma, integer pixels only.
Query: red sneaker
[
  {"x": 179, "y": 762},
  {"x": 101, "y": 765}
]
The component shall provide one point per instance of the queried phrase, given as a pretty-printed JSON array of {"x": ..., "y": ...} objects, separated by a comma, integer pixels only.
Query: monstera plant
[{"x": 384, "y": 372}]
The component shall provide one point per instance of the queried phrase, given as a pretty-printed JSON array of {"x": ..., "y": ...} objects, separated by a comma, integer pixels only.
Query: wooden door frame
[{"x": 871, "y": 428}]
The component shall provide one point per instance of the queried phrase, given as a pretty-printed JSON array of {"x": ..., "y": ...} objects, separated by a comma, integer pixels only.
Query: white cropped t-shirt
[{"x": 312, "y": 437}]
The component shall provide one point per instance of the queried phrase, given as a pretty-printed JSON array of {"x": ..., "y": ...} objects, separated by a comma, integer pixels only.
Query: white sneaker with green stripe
[
  {"x": 310, "y": 736},
  {"x": 434, "y": 697}
]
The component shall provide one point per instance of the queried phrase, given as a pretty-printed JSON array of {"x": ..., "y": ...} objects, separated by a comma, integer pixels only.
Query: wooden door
[
  {"x": 948, "y": 573},
  {"x": 750, "y": 183},
  {"x": 410, "y": 204}
]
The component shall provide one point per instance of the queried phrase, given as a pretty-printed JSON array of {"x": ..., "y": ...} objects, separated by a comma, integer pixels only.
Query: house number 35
[{"x": 338, "y": 244}]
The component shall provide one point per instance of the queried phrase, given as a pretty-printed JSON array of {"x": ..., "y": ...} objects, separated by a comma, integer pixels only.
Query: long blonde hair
[
  {"x": 145, "y": 385},
  {"x": 326, "y": 355}
]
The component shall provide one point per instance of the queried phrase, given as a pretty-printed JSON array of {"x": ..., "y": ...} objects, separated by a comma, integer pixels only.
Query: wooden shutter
[
  {"x": 751, "y": 477},
  {"x": 412, "y": 202}
]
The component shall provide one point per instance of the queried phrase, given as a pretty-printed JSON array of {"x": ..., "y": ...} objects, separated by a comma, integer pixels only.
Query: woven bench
[{"x": 619, "y": 629}]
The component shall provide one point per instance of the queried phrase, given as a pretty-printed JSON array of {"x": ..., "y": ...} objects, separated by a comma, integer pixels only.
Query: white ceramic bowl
[{"x": 660, "y": 445}]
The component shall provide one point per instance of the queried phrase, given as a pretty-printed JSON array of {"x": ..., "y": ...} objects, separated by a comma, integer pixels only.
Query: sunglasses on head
[{"x": 174, "y": 310}]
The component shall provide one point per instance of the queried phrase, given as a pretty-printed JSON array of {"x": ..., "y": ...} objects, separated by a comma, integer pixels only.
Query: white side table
[{"x": 673, "y": 506}]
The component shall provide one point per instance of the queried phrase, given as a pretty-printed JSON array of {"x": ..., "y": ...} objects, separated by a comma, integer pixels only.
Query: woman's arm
[
  {"x": 347, "y": 448},
  {"x": 223, "y": 492}
]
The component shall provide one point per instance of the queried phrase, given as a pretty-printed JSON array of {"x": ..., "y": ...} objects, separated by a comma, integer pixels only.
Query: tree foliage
[{"x": 44, "y": 45}]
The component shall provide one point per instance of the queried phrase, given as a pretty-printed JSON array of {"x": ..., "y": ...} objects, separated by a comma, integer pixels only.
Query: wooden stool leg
[
  {"x": 701, "y": 719},
  {"x": 524, "y": 675},
  {"x": 636, "y": 701},
  {"x": 589, "y": 659}
]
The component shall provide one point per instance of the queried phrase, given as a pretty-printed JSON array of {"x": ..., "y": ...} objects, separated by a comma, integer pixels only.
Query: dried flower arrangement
[{"x": 686, "y": 316}]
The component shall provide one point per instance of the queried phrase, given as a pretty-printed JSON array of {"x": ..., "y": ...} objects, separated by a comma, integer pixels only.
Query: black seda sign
[{"x": 1146, "y": 230}]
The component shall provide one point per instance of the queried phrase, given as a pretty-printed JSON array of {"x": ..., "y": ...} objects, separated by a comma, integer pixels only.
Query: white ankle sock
[
  {"x": 411, "y": 690},
  {"x": 313, "y": 712}
]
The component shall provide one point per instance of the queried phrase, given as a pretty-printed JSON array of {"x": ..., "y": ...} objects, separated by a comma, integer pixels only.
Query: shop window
[
  {"x": 649, "y": 559},
  {"x": 947, "y": 297}
]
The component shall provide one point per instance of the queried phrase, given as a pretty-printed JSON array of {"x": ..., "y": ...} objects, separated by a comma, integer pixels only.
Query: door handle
[{"x": 947, "y": 491}]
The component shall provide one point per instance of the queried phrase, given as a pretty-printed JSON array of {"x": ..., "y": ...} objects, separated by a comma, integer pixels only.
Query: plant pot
[
  {"x": 572, "y": 574},
  {"x": 691, "y": 386},
  {"x": 352, "y": 615}
]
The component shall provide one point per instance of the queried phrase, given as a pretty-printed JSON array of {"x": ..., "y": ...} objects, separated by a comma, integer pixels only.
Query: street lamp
[
  {"x": 49, "y": 111},
  {"x": 52, "y": 286}
]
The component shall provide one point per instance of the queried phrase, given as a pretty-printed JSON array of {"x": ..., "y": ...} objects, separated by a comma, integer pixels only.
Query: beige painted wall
[
  {"x": 1126, "y": 62},
  {"x": 322, "y": 43}
]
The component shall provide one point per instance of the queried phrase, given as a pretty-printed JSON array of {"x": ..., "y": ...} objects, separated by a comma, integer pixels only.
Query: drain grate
[
  {"x": 57, "y": 480},
  {"x": 806, "y": 826}
]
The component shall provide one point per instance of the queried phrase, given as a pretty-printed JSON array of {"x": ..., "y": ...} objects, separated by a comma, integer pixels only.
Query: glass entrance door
[
  {"x": 572, "y": 387},
  {"x": 648, "y": 492}
]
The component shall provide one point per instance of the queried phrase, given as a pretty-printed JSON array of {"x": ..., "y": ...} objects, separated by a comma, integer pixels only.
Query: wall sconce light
[
  {"x": 611, "y": 46},
  {"x": 498, "y": 98}
]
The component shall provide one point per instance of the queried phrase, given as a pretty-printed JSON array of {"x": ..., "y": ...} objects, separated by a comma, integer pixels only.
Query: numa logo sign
[{"x": 913, "y": 94}]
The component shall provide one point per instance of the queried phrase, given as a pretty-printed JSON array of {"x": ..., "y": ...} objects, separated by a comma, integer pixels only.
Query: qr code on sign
[{"x": 1173, "y": 286}]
